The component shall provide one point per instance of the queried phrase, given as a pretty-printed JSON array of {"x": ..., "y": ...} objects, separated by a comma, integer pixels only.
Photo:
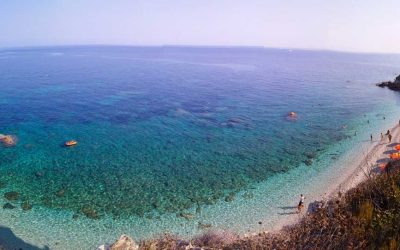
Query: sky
[{"x": 345, "y": 25}]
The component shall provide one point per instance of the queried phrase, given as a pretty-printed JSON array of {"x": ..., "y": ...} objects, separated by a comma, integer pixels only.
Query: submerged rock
[
  {"x": 124, "y": 243},
  {"x": 248, "y": 195},
  {"x": 311, "y": 155},
  {"x": 204, "y": 225},
  {"x": 187, "y": 216},
  {"x": 26, "y": 206},
  {"x": 308, "y": 162},
  {"x": 39, "y": 174},
  {"x": 8, "y": 206},
  {"x": 11, "y": 196},
  {"x": 60, "y": 193},
  {"x": 90, "y": 212},
  {"x": 229, "y": 197},
  {"x": 198, "y": 209},
  {"x": 2, "y": 185}
]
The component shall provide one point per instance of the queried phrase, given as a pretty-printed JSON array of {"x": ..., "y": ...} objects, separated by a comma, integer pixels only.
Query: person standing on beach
[
  {"x": 371, "y": 137},
  {"x": 390, "y": 138},
  {"x": 301, "y": 203},
  {"x": 388, "y": 132}
]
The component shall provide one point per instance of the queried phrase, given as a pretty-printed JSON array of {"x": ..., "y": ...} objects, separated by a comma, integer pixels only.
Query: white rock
[
  {"x": 104, "y": 247},
  {"x": 124, "y": 243}
]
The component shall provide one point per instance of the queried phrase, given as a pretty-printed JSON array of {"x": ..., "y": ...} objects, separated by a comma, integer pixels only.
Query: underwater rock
[
  {"x": 230, "y": 198},
  {"x": 180, "y": 111},
  {"x": 124, "y": 243},
  {"x": 60, "y": 193},
  {"x": 8, "y": 206},
  {"x": 11, "y": 196},
  {"x": 235, "y": 120},
  {"x": 26, "y": 206},
  {"x": 204, "y": 225},
  {"x": 187, "y": 216},
  {"x": 90, "y": 212},
  {"x": 311, "y": 155},
  {"x": 198, "y": 209},
  {"x": 308, "y": 162},
  {"x": 75, "y": 216},
  {"x": 248, "y": 195},
  {"x": 209, "y": 201},
  {"x": 39, "y": 174},
  {"x": 2, "y": 185}
]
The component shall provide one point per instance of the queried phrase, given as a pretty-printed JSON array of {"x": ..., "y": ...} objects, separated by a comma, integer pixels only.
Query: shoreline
[
  {"x": 366, "y": 166},
  {"x": 251, "y": 211},
  {"x": 358, "y": 172}
]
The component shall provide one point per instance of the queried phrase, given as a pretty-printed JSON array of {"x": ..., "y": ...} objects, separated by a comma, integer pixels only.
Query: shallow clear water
[{"x": 163, "y": 131}]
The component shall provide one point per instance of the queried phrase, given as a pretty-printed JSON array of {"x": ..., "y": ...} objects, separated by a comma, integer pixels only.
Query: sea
[{"x": 176, "y": 140}]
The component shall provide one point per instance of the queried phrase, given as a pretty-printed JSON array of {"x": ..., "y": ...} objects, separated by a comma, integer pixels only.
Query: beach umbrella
[
  {"x": 397, "y": 147},
  {"x": 395, "y": 156},
  {"x": 382, "y": 166}
]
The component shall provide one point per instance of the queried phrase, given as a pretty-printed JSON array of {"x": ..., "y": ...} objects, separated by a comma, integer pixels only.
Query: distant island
[{"x": 395, "y": 85}]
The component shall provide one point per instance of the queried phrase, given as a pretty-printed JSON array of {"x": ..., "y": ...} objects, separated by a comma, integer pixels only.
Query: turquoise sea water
[{"x": 163, "y": 131}]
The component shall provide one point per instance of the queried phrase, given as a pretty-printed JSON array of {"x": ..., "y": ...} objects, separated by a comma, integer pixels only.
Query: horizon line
[{"x": 196, "y": 46}]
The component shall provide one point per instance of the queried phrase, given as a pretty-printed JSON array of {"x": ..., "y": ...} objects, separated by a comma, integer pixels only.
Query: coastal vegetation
[{"x": 366, "y": 217}]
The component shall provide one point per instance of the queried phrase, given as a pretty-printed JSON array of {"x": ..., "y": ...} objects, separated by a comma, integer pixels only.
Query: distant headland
[{"x": 395, "y": 85}]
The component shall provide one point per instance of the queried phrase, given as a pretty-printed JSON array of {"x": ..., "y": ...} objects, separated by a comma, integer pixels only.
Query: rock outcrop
[
  {"x": 395, "y": 85},
  {"x": 8, "y": 140},
  {"x": 123, "y": 243}
]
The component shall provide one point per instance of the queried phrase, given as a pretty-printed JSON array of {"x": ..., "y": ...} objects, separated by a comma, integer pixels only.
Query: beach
[{"x": 359, "y": 168}]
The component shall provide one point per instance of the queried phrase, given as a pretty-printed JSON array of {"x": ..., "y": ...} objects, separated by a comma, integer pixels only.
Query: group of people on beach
[
  {"x": 300, "y": 206},
  {"x": 388, "y": 134}
]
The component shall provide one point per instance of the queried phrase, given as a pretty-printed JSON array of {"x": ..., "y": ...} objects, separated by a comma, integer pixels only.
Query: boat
[
  {"x": 71, "y": 143},
  {"x": 397, "y": 147}
]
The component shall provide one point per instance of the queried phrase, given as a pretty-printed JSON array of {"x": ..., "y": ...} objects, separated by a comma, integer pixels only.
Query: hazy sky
[{"x": 351, "y": 25}]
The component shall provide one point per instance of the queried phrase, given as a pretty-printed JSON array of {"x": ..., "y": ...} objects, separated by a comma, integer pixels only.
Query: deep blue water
[{"x": 160, "y": 130}]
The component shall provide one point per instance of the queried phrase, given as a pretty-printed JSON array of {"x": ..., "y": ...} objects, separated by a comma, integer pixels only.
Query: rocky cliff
[{"x": 395, "y": 85}]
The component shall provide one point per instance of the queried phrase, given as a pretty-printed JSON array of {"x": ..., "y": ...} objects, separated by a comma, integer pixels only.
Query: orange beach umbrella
[{"x": 395, "y": 156}]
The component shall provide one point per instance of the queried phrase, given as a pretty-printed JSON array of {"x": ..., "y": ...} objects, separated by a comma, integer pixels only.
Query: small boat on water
[{"x": 71, "y": 143}]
